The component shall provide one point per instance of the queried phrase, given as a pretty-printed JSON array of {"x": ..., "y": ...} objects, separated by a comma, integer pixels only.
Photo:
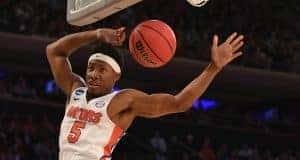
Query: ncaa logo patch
[{"x": 79, "y": 92}]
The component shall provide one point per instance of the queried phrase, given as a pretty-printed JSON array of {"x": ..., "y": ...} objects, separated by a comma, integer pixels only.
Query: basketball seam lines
[
  {"x": 149, "y": 46},
  {"x": 149, "y": 27},
  {"x": 134, "y": 49}
]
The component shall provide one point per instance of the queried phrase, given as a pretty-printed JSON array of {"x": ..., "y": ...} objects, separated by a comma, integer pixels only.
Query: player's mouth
[{"x": 93, "y": 84}]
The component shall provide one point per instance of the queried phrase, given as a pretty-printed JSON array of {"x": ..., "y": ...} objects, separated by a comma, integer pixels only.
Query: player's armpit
[
  {"x": 62, "y": 71},
  {"x": 154, "y": 105}
]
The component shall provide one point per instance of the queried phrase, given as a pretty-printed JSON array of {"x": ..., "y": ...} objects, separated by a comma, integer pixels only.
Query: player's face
[{"x": 100, "y": 77}]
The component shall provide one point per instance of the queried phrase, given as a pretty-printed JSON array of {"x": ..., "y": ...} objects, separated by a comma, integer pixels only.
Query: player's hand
[
  {"x": 227, "y": 51},
  {"x": 115, "y": 37}
]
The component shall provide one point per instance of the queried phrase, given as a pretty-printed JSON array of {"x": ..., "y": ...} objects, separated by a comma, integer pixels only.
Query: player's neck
[{"x": 90, "y": 96}]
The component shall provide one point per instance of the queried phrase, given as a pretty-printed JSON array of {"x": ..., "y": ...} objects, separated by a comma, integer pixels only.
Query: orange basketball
[{"x": 152, "y": 43}]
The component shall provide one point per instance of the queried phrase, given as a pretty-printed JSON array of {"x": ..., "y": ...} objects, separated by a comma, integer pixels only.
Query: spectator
[
  {"x": 174, "y": 149},
  {"x": 207, "y": 153},
  {"x": 245, "y": 153},
  {"x": 159, "y": 144},
  {"x": 223, "y": 153}
]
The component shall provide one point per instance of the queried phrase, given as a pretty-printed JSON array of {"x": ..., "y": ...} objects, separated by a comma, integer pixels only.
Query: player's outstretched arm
[
  {"x": 156, "y": 105},
  {"x": 59, "y": 51}
]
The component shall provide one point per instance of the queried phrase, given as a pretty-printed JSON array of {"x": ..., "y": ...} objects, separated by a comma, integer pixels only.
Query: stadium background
[{"x": 251, "y": 111}]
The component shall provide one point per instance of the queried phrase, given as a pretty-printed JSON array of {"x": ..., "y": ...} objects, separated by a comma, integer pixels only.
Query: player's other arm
[
  {"x": 59, "y": 51},
  {"x": 157, "y": 105}
]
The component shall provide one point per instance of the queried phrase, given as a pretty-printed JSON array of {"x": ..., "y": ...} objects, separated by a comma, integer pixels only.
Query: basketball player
[{"x": 95, "y": 116}]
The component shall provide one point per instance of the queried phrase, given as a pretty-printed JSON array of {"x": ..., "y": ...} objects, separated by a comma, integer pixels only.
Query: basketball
[{"x": 152, "y": 43}]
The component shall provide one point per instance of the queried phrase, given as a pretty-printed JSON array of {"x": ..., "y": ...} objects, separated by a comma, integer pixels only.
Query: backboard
[{"x": 84, "y": 12}]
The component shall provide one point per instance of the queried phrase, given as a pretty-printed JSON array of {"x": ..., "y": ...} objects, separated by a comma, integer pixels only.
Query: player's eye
[
  {"x": 102, "y": 69},
  {"x": 90, "y": 68}
]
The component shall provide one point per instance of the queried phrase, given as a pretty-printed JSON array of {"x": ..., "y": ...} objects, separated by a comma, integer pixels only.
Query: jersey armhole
[{"x": 108, "y": 117}]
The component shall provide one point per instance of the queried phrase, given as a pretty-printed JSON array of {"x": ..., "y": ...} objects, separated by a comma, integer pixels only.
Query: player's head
[{"x": 103, "y": 70}]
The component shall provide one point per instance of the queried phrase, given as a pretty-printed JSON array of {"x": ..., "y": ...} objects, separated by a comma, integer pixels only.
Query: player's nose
[{"x": 93, "y": 73}]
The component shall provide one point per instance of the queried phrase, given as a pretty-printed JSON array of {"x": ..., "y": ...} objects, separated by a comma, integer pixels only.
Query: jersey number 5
[{"x": 76, "y": 131}]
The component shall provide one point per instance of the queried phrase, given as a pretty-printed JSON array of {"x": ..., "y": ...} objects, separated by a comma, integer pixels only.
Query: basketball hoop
[{"x": 84, "y": 12}]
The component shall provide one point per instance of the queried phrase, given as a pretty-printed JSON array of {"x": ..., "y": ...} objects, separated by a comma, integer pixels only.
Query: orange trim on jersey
[{"x": 116, "y": 134}]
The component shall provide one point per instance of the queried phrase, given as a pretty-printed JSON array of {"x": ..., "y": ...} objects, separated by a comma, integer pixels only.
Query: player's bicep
[
  {"x": 62, "y": 72},
  {"x": 154, "y": 105}
]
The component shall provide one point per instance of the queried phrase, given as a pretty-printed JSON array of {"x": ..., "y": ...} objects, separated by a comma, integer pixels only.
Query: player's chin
[{"x": 94, "y": 89}]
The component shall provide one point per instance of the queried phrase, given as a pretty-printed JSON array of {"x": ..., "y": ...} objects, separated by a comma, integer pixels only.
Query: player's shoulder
[
  {"x": 122, "y": 101},
  {"x": 78, "y": 82},
  {"x": 131, "y": 93},
  {"x": 125, "y": 98}
]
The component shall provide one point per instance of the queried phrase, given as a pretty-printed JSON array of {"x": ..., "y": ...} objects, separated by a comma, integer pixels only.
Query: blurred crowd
[
  {"x": 200, "y": 147},
  {"x": 30, "y": 134},
  {"x": 25, "y": 136},
  {"x": 30, "y": 87},
  {"x": 271, "y": 27}
]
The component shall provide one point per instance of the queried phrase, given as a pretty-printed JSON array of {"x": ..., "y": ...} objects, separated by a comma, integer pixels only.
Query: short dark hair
[{"x": 110, "y": 51}]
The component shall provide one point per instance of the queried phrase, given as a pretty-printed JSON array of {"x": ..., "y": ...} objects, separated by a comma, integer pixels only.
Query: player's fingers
[
  {"x": 123, "y": 37},
  {"x": 238, "y": 46},
  {"x": 120, "y": 33},
  {"x": 231, "y": 37},
  {"x": 237, "y": 41},
  {"x": 123, "y": 34},
  {"x": 121, "y": 30},
  {"x": 215, "y": 41},
  {"x": 237, "y": 55}
]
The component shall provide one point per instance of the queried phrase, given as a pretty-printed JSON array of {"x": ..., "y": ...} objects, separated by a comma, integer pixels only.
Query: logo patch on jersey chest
[
  {"x": 79, "y": 92},
  {"x": 77, "y": 95},
  {"x": 99, "y": 104}
]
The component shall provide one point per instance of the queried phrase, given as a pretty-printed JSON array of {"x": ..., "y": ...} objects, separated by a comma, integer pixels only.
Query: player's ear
[{"x": 117, "y": 77}]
